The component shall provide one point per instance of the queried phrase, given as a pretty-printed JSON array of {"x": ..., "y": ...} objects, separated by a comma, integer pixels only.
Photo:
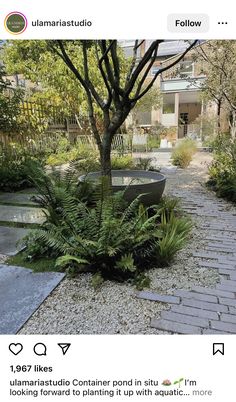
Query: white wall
[{"x": 168, "y": 119}]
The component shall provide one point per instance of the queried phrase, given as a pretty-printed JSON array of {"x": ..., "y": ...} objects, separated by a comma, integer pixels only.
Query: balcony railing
[{"x": 180, "y": 84}]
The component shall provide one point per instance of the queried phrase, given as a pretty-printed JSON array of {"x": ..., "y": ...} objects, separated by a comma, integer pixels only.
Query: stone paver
[
  {"x": 224, "y": 326},
  {"x": 9, "y": 238},
  {"x": 216, "y": 292},
  {"x": 16, "y": 198},
  {"x": 196, "y": 296},
  {"x": 228, "y": 318},
  {"x": 185, "y": 319},
  {"x": 195, "y": 312},
  {"x": 219, "y": 308},
  {"x": 157, "y": 297},
  {"x": 176, "y": 327},
  {"x": 204, "y": 310},
  {"x": 21, "y": 293},
  {"x": 21, "y": 214},
  {"x": 21, "y": 290}
]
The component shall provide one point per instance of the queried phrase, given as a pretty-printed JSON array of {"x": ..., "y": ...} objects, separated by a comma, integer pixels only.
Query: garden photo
[{"x": 118, "y": 187}]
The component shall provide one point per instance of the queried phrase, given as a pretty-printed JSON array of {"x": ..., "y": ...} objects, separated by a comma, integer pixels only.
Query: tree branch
[
  {"x": 96, "y": 96},
  {"x": 134, "y": 59},
  {"x": 152, "y": 60},
  {"x": 112, "y": 77},
  {"x": 135, "y": 99},
  {"x": 144, "y": 60},
  {"x": 116, "y": 63},
  {"x": 83, "y": 82},
  {"x": 70, "y": 64}
]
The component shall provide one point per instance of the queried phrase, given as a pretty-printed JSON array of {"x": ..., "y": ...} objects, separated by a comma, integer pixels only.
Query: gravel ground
[
  {"x": 74, "y": 307},
  {"x": 3, "y": 258}
]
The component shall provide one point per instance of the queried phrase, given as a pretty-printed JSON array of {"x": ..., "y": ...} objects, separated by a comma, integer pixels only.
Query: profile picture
[{"x": 15, "y": 23}]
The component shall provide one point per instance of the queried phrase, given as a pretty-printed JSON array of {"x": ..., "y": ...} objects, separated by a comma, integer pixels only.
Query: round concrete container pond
[{"x": 135, "y": 182}]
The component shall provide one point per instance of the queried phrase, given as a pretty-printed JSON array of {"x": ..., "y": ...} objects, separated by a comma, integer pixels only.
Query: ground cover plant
[
  {"x": 183, "y": 153},
  {"x": 223, "y": 168},
  {"x": 88, "y": 228}
]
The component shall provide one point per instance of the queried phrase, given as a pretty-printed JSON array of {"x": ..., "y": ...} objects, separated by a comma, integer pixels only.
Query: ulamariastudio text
[{"x": 62, "y": 23}]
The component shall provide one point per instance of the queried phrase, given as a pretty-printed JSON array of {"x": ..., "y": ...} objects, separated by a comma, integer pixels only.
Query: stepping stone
[
  {"x": 218, "y": 308},
  {"x": 196, "y": 296},
  {"x": 228, "y": 318},
  {"x": 224, "y": 326},
  {"x": 16, "y": 198},
  {"x": 168, "y": 169},
  {"x": 227, "y": 302},
  {"x": 21, "y": 214},
  {"x": 158, "y": 298},
  {"x": 217, "y": 265},
  {"x": 220, "y": 248},
  {"x": 227, "y": 271},
  {"x": 214, "y": 292},
  {"x": 175, "y": 327},
  {"x": 210, "y": 255},
  {"x": 185, "y": 319},
  {"x": 9, "y": 238},
  {"x": 21, "y": 293},
  {"x": 214, "y": 332},
  {"x": 195, "y": 312}
]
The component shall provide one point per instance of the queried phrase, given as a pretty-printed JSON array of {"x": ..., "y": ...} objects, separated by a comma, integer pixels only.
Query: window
[
  {"x": 168, "y": 108},
  {"x": 186, "y": 68},
  {"x": 154, "y": 70}
]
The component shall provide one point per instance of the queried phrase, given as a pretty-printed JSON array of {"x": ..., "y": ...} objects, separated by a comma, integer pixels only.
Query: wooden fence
[{"x": 75, "y": 128}]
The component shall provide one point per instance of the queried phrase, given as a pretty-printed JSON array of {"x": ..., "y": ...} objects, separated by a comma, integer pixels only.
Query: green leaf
[
  {"x": 126, "y": 263},
  {"x": 67, "y": 259}
]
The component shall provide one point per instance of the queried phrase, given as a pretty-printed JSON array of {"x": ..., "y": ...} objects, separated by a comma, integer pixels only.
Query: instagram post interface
[{"x": 117, "y": 203}]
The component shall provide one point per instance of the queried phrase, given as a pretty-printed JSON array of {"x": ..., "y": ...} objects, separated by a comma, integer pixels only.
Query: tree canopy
[
  {"x": 95, "y": 72},
  {"x": 38, "y": 62},
  {"x": 9, "y": 104},
  {"x": 219, "y": 67}
]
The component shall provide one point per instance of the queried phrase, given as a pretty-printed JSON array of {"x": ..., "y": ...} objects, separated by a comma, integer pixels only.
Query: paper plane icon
[{"x": 64, "y": 347}]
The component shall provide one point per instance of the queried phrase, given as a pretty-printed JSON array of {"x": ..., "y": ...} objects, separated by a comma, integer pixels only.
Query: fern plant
[{"x": 104, "y": 235}]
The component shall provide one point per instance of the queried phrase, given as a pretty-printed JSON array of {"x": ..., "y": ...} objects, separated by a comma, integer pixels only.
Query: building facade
[{"x": 182, "y": 106}]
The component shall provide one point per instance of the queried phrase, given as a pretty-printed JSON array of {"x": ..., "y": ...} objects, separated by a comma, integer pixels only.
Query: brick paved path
[{"x": 203, "y": 310}]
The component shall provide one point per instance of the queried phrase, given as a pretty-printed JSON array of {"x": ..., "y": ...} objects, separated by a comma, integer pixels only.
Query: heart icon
[{"x": 15, "y": 348}]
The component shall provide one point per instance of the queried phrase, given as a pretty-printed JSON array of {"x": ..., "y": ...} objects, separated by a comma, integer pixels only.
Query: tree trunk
[
  {"x": 233, "y": 124},
  {"x": 218, "y": 116},
  {"x": 105, "y": 155}
]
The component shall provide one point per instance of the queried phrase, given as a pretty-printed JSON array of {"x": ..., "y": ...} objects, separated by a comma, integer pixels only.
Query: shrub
[
  {"x": 89, "y": 164},
  {"x": 61, "y": 151},
  {"x": 55, "y": 187},
  {"x": 10, "y": 102},
  {"x": 145, "y": 164},
  {"x": 87, "y": 158},
  {"x": 105, "y": 235},
  {"x": 223, "y": 168},
  {"x": 14, "y": 168},
  {"x": 122, "y": 162},
  {"x": 62, "y": 157},
  {"x": 153, "y": 141},
  {"x": 183, "y": 153}
]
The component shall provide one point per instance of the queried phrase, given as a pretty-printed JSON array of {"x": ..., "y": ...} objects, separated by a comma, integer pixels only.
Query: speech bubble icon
[{"x": 40, "y": 349}]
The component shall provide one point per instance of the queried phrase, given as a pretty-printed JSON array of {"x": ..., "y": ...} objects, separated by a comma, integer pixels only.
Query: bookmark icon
[{"x": 218, "y": 348}]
